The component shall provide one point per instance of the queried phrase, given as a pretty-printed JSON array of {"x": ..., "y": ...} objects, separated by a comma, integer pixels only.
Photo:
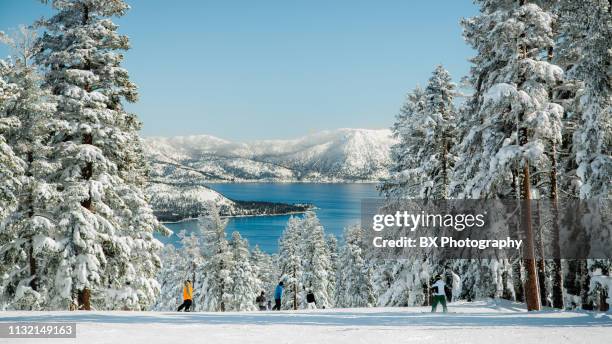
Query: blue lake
[{"x": 338, "y": 206}]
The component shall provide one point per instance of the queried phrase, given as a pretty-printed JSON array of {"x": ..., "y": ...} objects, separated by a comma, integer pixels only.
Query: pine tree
[
  {"x": 592, "y": 137},
  {"x": 215, "y": 282},
  {"x": 266, "y": 271},
  {"x": 290, "y": 263},
  {"x": 584, "y": 39},
  {"x": 11, "y": 174},
  {"x": 30, "y": 229},
  {"x": 246, "y": 285},
  {"x": 316, "y": 260},
  {"x": 331, "y": 244},
  {"x": 422, "y": 159},
  {"x": 401, "y": 183},
  {"x": 11, "y": 167},
  {"x": 109, "y": 258},
  {"x": 512, "y": 114},
  {"x": 355, "y": 287}
]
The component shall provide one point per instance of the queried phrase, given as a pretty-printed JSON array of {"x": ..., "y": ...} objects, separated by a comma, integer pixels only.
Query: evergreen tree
[
  {"x": 401, "y": 183},
  {"x": 316, "y": 260},
  {"x": 266, "y": 271},
  {"x": 246, "y": 286},
  {"x": 215, "y": 282},
  {"x": 11, "y": 173},
  {"x": 512, "y": 114},
  {"x": 422, "y": 159},
  {"x": 109, "y": 258},
  {"x": 290, "y": 263},
  {"x": 331, "y": 244},
  {"x": 30, "y": 232},
  {"x": 355, "y": 287},
  {"x": 11, "y": 167}
]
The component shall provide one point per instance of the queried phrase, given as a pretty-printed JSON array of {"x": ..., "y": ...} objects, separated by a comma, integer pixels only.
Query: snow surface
[{"x": 477, "y": 322}]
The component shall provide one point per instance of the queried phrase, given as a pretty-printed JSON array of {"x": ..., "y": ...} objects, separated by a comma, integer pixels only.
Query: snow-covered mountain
[{"x": 338, "y": 155}]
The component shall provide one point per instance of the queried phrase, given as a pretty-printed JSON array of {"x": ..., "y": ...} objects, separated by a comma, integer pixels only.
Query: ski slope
[{"x": 477, "y": 322}]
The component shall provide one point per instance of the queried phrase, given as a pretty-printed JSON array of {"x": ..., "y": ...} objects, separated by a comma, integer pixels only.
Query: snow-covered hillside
[
  {"x": 338, "y": 155},
  {"x": 175, "y": 202},
  {"x": 477, "y": 322}
]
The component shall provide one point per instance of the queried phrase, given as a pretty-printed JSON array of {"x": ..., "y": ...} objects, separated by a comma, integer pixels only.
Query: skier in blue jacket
[{"x": 278, "y": 293}]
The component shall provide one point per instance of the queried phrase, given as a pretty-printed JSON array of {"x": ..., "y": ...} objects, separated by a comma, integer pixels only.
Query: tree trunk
[
  {"x": 84, "y": 299},
  {"x": 585, "y": 281},
  {"x": 541, "y": 263},
  {"x": 294, "y": 290},
  {"x": 517, "y": 281},
  {"x": 532, "y": 294},
  {"x": 557, "y": 271}
]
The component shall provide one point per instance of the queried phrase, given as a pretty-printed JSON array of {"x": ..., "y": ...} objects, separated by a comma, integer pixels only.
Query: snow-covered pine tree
[
  {"x": 214, "y": 283},
  {"x": 440, "y": 95},
  {"x": 11, "y": 173},
  {"x": 400, "y": 183},
  {"x": 290, "y": 263},
  {"x": 169, "y": 278},
  {"x": 422, "y": 159},
  {"x": 246, "y": 286},
  {"x": 512, "y": 114},
  {"x": 266, "y": 271},
  {"x": 11, "y": 167},
  {"x": 331, "y": 244},
  {"x": 109, "y": 258},
  {"x": 592, "y": 138},
  {"x": 585, "y": 36},
  {"x": 179, "y": 265},
  {"x": 316, "y": 260},
  {"x": 422, "y": 164},
  {"x": 354, "y": 274},
  {"x": 29, "y": 235}
]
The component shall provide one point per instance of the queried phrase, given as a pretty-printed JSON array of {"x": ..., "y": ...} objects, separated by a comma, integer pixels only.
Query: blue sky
[{"x": 244, "y": 69}]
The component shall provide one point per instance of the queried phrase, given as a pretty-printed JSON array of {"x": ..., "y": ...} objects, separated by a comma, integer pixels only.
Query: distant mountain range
[
  {"x": 343, "y": 155},
  {"x": 181, "y": 166}
]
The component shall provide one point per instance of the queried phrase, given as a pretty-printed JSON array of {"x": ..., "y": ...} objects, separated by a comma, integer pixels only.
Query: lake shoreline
[{"x": 240, "y": 216}]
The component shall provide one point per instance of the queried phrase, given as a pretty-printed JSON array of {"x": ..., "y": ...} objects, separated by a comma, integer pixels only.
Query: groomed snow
[{"x": 477, "y": 322}]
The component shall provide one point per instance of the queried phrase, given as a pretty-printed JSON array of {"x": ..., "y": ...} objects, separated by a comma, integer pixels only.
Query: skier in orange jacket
[{"x": 187, "y": 297}]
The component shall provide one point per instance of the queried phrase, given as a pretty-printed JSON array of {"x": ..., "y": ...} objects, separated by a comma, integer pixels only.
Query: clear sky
[{"x": 245, "y": 69}]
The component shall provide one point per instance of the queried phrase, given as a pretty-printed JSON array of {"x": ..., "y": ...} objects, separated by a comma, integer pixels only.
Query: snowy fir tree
[
  {"x": 422, "y": 159},
  {"x": 587, "y": 26},
  {"x": 403, "y": 160},
  {"x": 107, "y": 256},
  {"x": 245, "y": 284},
  {"x": 512, "y": 114},
  {"x": 290, "y": 263},
  {"x": 266, "y": 271},
  {"x": 316, "y": 260},
  {"x": 214, "y": 281},
  {"x": 28, "y": 235},
  {"x": 179, "y": 265},
  {"x": 354, "y": 274},
  {"x": 11, "y": 167},
  {"x": 332, "y": 247}
]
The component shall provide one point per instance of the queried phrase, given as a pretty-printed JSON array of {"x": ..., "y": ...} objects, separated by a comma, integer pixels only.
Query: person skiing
[
  {"x": 261, "y": 301},
  {"x": 311, "y": 302},
  {"x": 278, "y": 293},
  {"x": 187, "y": 297},
  {"x": 439, "y": 294}
]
